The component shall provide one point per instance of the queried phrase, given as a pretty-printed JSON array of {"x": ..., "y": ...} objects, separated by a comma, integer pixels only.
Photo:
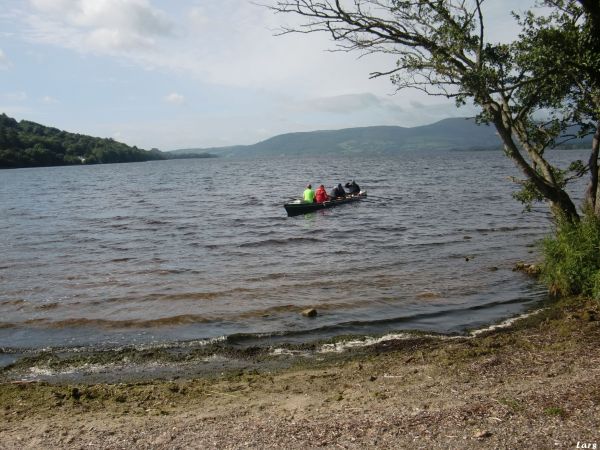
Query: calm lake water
[{"x": 176, "y": 251}]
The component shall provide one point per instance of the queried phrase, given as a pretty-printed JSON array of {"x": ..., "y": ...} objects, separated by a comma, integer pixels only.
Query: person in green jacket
[{"x": 309, "y": 194}]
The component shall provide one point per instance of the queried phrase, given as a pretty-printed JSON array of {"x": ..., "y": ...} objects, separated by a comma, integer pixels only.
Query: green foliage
[
  {"x": 572, "y": 258},
  {"x": 28, "y": 144},
  {"x": 555, "y": 411},
  {"x": 528, "y": 194}
]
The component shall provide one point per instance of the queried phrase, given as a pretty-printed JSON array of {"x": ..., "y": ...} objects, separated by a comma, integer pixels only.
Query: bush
[{"x": 572, "y": 258}]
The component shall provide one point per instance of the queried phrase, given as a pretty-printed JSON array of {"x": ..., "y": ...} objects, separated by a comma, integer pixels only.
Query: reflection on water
[{"x": 195, "y": 249}]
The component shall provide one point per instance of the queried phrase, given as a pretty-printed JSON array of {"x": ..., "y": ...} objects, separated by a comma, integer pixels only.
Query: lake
[{"x": 192, "y": 250}]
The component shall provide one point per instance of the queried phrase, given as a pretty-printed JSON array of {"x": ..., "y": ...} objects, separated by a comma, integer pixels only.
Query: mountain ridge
[{"x": 447, "y": 134}]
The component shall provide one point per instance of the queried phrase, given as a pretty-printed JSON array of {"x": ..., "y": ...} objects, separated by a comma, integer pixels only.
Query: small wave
[
  {"x": 505, "y": 323},
  {"x": 186, "y": 296},
  {"x": 268, "y": 277},
  {"x": 278, "y": 242},
  {"x": 426, "y": 295},
  {"x": 47, "y": 306},
  {"x": 362, "y": 326},
  {"x": 251, "y": 201},
  {"x": 166, "y": 271},
  {"x": 13, "y": 302},
  {"x": 342, "y": 252},
  {"x": 390, "y": 229},
  {"x": 182, "y": 319},
  {"x": 121, "y": 218},
  {"x": 296, "y": 309},
  {"x": 503, "y": 229},
  {"x": 117, "y": 249},
  {"x": 339, "y": 347}
]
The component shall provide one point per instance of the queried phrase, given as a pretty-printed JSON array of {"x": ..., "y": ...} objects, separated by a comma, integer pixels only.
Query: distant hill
[
  {"x": 447, "y": 134},
  {"x": 29, "y": 144}
]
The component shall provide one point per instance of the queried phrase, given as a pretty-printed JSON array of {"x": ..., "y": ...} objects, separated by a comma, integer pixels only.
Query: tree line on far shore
[{"x": 29, "y": 144}]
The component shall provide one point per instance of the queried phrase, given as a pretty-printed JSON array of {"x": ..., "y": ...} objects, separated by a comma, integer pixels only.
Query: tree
[
  {"x": 441, "y": 48},
  {"x": 28, "y": 144},
  {"x": 562, "y": 49}
]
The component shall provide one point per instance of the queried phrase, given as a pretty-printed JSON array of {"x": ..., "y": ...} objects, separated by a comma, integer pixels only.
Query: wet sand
[{"x": 531, "y": 385}]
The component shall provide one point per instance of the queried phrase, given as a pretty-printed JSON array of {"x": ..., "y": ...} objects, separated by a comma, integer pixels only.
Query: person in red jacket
[{"x": 321, "y": 195}]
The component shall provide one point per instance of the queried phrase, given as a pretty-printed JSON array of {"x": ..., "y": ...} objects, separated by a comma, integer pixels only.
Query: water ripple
[{"x": 203, "y": 248}]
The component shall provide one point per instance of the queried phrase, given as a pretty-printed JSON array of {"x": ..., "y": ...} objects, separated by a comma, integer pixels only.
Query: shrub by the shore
[{"x": 572, "y": 258}]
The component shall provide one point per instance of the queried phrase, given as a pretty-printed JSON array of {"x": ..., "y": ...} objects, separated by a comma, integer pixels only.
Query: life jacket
[
  {"x": 309, "y": 195},
  {"x": 321, "y": 195}
]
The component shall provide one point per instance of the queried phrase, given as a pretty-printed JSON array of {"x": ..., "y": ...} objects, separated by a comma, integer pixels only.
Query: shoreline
[
  {"x": 203, "y": 357},
  {"x": 206, "y": 357},
  {"x": 532, "y": 383}
]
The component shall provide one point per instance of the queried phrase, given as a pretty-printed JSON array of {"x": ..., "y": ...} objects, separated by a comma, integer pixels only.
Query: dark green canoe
[{"x": 300, "y": 207}]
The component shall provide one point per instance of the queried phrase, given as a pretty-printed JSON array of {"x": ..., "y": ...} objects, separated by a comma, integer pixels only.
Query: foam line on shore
[
  {"x": 339, "y": 347},
  {"x": 506, "y": 323}
]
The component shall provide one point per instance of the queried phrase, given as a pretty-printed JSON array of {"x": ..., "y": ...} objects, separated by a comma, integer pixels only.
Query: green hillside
[
  {"x": 29, "y": 144},
  {"x": 448, "y": 134},
  {"x": 445, "y": 135}
]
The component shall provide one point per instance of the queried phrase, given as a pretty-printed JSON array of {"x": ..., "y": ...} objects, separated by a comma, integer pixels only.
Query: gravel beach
[{"x": 532, "y": 385}]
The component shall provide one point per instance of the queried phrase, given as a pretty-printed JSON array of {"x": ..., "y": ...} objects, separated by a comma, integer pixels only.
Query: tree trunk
[
  {"x": 592, "y": 198},
  {"x": 561, "y": 204}
]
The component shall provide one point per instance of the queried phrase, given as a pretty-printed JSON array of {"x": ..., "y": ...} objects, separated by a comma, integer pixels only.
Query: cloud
[
  {"x": 349, "y": 103},
  {"x": 223, "y": 42},
  {"x": 104, "y": 26},
  {"x": 18, "y": 96},
  {"x": 197, "y": 17},
  {"x": 15, "y": 104},
  {"x": 225, "y": 53},
  {"x": 49, "y": 100},
  {"x": 174, "y": 98},
  {"x": 4, "y": 61}
]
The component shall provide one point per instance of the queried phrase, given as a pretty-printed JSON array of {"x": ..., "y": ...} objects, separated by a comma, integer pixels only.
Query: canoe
[{"x": 299, "y": 207}]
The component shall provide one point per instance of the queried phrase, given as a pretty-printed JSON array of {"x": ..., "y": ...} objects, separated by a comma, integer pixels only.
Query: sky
[{"x": 172, "y": 74}]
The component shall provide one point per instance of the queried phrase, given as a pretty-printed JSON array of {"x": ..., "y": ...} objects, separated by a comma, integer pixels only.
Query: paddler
[
  {"x": 309, "y": 194},
  {"x": 338, "y": 192},
  {"x": 321, "y": 195},
  {"x": 353, "y": 188}
]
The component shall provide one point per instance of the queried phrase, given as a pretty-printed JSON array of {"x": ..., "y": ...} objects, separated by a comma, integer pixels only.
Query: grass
[
  {"x": 514, "y": 405},
  {"x": 555, "y": 411},
  {"x": 572, "y": 258}
]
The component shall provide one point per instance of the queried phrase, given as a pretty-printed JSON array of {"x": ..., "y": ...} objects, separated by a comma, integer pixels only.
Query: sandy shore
[{"x": 534, "y": 385}]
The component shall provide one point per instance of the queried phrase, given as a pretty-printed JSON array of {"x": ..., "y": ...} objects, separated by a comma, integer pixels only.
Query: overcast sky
[{"x": 195, "y": 73}]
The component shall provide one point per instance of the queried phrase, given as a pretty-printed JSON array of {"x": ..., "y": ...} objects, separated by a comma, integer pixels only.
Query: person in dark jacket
[
  {"x": 337, "y": 192},
  {"x": 353, "y": 188}
]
